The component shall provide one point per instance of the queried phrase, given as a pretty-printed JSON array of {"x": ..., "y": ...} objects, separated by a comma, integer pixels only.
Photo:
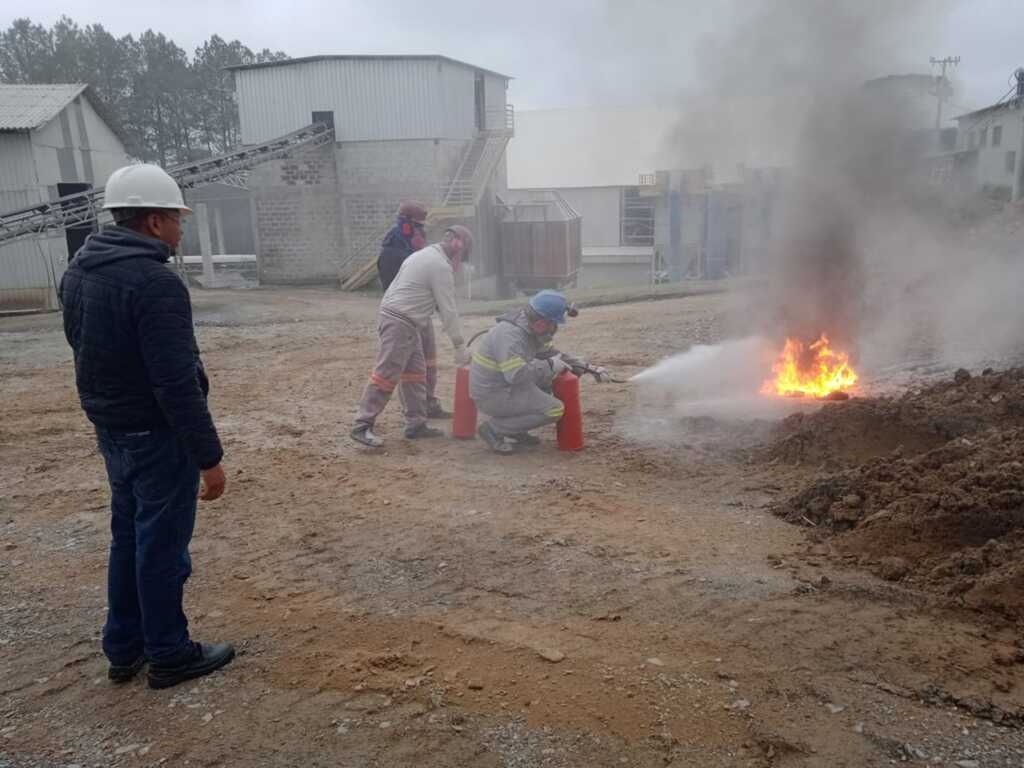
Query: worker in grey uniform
[
  {"x": 425, "y": 283},
  {"x": 512, "y": 371}
]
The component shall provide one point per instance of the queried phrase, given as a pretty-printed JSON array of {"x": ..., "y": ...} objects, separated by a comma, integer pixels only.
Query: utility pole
[
  {"x": 1018, "y": 167},
  {"x": 940, "y": 91}
]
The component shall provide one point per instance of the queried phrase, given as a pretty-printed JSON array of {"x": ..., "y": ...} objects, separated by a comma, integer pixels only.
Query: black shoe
[
  {"x": 208, "y": 658},
  {"x": 415, "y": 433},
  {"x": 494, "y": 441},
  {"x": 127, "y": 672},
  {"x": 363, "y": 434},
  {"x": 436, "y": 411},
  {"x": 526, "y": 439}
]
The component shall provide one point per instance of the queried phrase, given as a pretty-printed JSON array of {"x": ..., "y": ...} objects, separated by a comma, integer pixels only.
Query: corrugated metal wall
[
  {"x": 372, "y": 99},
  {"x": 26, "y": 276},
  {"x": 30, "y": 168},
  {"x": 29, "y": 272},
  {"x": 17, "y": 169}
]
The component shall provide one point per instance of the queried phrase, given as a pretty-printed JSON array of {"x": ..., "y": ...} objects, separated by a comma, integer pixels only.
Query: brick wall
[
  {"x": 299, "y": 233},
  {"x": 313, "y": 209},
  {"x": 376, "y": 175}
]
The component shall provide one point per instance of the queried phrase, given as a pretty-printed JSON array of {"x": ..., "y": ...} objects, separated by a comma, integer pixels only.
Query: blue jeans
[{"x": 154, "y": 485}]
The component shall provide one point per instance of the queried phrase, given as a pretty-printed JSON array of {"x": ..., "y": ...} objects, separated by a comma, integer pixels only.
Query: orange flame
[{"x": 815, "y": 371}]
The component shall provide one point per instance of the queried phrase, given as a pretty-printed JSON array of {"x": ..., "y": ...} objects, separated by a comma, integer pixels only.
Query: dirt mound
[
  {"x": 947, "y": 513},
  {"x": 851, "y": 432}
]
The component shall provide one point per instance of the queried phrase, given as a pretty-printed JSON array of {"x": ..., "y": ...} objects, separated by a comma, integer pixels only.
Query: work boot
[
  {"x": 436, "y": 411},
  {"x": 421, "y": 431},
  {"x": 362, "y": 433},
  {"x": 123, "y": 673},
  {"x": 494, "y": 441},
  {"x": 526, "y": 440},
  {"x": 207, "y": 658}
]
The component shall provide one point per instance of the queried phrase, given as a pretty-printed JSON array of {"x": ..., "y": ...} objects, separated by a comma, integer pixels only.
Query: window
[
  {"x": 983, "y": 137},
  {"x": 1011, "y": 161},
  {"x": 997, "y": 135},
  {"x": 325, "y": 118},
  {"x": 972, "y": 140},
  {"x": 637, "y": 218}
]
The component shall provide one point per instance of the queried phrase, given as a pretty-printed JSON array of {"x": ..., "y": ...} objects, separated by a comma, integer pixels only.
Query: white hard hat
[{"x": 143, "y": 186}]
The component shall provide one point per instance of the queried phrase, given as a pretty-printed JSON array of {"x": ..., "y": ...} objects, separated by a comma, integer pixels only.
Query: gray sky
[{"x": 563, "y": 53}]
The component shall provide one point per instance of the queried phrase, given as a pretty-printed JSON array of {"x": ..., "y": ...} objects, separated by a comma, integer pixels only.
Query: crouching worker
[
  {"x": 512, "y": 371},
  {"x": 425, "y": 283}
]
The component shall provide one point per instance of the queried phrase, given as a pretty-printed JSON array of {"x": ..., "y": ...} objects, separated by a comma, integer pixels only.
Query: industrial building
[
  {"x": 984, "y": 154},
  {"x": 640, "y": 225},
  {"x": 55, "y": 140},
  {"x": 423, "y": 127},
  {"x": 990, "y": 143}
]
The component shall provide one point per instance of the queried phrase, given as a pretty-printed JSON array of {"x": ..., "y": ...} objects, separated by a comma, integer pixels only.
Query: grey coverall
[{"x": 510, "y": 377}]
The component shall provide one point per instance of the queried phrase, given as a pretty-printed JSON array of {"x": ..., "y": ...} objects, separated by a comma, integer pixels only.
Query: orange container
[
  {"x": 566, "y": 388},
  {"x": 464, "y": 415}
]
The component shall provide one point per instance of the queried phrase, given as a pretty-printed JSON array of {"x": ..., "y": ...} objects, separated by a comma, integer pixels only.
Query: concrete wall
[
  {"x": 990, "y": 168},
  {"x": 299, "y": 233},
  {"x": 609, "y": 266},
  {"x": 375, "y": 176}
]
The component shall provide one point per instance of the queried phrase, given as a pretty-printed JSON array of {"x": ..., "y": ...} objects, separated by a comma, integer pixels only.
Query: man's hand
[
  {"x": 213, "y": 483},
  {"x": 462, "y": 357},
  {"x": 601, "y": 374}
]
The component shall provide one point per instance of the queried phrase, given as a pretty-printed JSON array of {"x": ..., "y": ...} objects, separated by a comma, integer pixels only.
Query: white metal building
[
  {"x": 421, "y": 127},
  {"x": 54, "y": 141},
  {"x": 372, "y": 98}
]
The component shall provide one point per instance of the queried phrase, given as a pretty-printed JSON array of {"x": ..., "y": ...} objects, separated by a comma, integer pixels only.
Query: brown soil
[
  {"x": 944, "y": 510},
  {"x": 413, "y": 607},
  {"x": 853, "y": 431}
]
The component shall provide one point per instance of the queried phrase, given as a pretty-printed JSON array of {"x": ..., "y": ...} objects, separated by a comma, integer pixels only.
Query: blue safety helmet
[{"x": 551, "y": 305}]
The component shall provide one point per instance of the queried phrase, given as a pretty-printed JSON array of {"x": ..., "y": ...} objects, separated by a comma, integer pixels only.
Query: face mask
[{"x": 418, "y": 240}]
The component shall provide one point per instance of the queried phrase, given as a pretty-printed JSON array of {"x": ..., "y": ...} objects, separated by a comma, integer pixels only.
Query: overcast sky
[{"x": 563, "y": 53}]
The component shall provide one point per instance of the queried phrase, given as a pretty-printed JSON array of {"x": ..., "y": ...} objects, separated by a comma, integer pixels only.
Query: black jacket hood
[{"x": 117, "y": 244}]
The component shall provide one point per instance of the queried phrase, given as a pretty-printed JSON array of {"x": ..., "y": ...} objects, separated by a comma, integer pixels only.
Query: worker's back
[
  {"x": 412, "y": 292},
  {"x": 501, "y": 353}
]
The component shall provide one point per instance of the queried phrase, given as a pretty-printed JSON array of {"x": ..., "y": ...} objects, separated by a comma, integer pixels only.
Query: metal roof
[
  {"x": 1014, "y": 103},
  {"x": 308, "y": 59},
  {"x": 26, "y": 107}
]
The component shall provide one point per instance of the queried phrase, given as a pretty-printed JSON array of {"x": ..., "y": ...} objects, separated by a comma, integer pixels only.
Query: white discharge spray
[{"x": 720, "y": 381}]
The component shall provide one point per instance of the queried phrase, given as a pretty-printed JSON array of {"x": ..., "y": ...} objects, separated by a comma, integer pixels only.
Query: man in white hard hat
[
  {"x": 425, "y": 283},
  {"x": 128, "y": 319}
]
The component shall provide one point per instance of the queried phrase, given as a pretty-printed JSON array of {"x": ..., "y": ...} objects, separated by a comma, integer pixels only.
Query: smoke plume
[{"x": 864, "y": 248}]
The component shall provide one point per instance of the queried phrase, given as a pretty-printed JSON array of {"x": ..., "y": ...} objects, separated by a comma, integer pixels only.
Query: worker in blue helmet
[{"x": 512, "y": 370}]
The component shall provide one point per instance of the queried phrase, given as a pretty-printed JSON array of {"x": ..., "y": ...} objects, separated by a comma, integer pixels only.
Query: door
[
  {"x": 75, "y": 236},
  {"x": 480, "y": 102}
]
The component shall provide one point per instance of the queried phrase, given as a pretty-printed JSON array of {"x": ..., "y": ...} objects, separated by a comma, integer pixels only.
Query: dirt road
[{"x": 434, "y": 605}]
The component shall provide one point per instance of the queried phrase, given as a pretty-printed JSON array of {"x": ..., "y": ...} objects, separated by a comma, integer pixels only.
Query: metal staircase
[
  {"x": 85, "y": 208},
  {"x": 455, "y": 199}
]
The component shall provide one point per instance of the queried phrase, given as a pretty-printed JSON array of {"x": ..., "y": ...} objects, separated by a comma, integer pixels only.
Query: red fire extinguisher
[
  {"x": 464, "y": 417},
  {"x": 566, "y": 387}
]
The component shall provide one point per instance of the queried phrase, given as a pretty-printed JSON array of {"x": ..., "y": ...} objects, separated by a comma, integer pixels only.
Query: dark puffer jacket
[
  {"x": 128, "y": 319},
  {"x": 395, "y": 249}
]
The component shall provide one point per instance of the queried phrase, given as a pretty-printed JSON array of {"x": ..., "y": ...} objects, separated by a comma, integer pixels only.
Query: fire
[{"x": 816, "y": 370}]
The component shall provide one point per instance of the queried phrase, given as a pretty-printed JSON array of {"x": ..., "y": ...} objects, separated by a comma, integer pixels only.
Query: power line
[{"x": 988, "y": 118}]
